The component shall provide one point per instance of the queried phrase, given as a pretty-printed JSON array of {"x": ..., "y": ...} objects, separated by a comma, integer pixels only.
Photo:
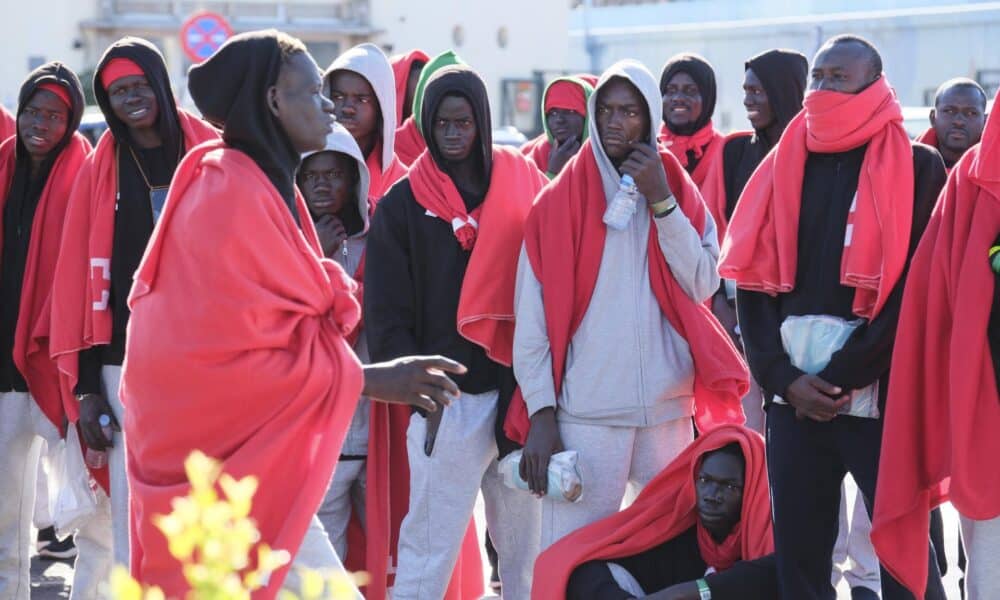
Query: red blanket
[
  {"x": 216, "y": 305},
  {"x": 8, "y": 125},
  {"x": 930, "y": 138},
  {"x": 706, "y": 143},
  {"x": 34, "y": 323},
  {"x": 664, "y": 509},
  {"x": 564, "y": 238},
  {"x": 409, "y": 143},
  {"x": 943, "y": 411},
  {"x": 713, "y": 190},
  {"x": 761, "y": 249},
  {"x": 82, "y": 286},
  {"x": 537, "y": 150},
  {"x": 493, "y": 233}
]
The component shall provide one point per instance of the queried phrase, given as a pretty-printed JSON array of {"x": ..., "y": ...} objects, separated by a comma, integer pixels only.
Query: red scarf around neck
[
  {"x": 713, "y": 190},
  {"x": 664, "y": 509},
  {"x": 761, "y": 247},
  {"x": 943, "y": 410},
  {"x": 34, "y": 323},
  {"x": 564, "y": 238},
  {"x": 706, "y": 144}
]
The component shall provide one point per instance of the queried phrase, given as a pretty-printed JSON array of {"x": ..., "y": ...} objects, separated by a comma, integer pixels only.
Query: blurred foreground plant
[{"x": 214, "y": 537}]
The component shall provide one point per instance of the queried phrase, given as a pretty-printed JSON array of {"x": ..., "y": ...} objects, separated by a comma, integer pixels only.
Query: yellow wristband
[{"x": 663, "y": 207}]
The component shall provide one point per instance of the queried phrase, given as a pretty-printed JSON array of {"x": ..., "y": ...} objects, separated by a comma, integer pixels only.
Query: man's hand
[
  {"x": 92, "y": 406},
  {"x": 646, "y": 168},
  {"x": 415, "y": 380},
  {"x": 543, "y": 441},
  {"x": 560, "y": 154},
  {"x": 682, "y": 591},
  {"x": 332, "y": 233},
  {"x": 813, "y": 398}
]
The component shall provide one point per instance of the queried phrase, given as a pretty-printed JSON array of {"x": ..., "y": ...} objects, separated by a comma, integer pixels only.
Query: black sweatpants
[{"x": 807, "y": 462}]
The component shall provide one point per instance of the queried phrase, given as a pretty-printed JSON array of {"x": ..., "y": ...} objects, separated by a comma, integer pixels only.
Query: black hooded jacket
[
  {"x": 415, "y": 266},
  {"x": 133, "y": 214},
  {"x": 230, "y": 90},
  {"x": 783, "y": 74},
  {"x": 19, "y": 212}
]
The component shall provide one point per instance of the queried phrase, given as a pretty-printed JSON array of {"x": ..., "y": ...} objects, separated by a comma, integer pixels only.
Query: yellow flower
[
  {"x": 239, "y": 493},
  {"x": 202, "y": 471}
]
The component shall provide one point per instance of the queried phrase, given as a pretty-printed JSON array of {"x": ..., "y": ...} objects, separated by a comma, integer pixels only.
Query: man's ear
[
  {"x": 933, "y": 117},
  {"x": 272, "y": 100}
]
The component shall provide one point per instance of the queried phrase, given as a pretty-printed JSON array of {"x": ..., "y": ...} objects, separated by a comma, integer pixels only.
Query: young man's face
[
  {"x": 719, "y": 492},
  {"x": 843, "y": 67},
  {"x": 621, "y": 117},
  {"x": 133, "y": 101},
  {"x": 355, "y": 106},
  {"x": 755, "y": 100},
  {"x": 327, "y": 181},
  {"x": 455, "y": 128},
  {"x": 958, "y": 118},
  {"x": 682, "y": 103},
  {"x": 564, "y": 124},
  {"x": 42, "y": 124},
  {"x": 298, "y": 103}
]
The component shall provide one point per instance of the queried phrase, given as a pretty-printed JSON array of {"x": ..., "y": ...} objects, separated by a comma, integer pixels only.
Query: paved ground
[{"x": 50, "y": 580}]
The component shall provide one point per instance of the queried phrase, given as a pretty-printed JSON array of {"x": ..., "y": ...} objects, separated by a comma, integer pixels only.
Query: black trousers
[{"x": 807, "y": 462}]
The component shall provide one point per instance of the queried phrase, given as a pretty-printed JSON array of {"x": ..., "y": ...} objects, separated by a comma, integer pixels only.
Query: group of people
[{"x": 334, "y": 281}]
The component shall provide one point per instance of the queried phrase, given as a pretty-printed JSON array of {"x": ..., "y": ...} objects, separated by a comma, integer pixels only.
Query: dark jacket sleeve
[
  {"x": 865, "y": 357},
  {"x": 760, "y": 330},
  {"x": 89, "y": 372},
  {"x": 390, "y": 299},
  {"x": 746, "y": 580}
]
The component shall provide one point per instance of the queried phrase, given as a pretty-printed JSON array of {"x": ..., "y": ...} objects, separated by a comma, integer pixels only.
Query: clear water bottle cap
[
  {"x": 627, "y": 179},
  {"x": 104, "y": 420}
]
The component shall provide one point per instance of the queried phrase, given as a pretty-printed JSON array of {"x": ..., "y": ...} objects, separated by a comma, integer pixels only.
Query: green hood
[
  {"x": 587, "y": 91},
  {"x": 437, "y": 63}
]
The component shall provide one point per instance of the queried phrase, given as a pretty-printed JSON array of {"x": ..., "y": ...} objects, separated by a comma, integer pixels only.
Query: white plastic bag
[
  {"x": 565, "y": 482},
  {"x": 811, "y": 340},
  {"x": 76, "y": 500}
]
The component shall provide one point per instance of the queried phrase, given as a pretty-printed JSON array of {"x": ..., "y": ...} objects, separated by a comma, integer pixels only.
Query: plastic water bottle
[
  {"x": 623, "y": 205},
  {"x": 98, "y": 459}
]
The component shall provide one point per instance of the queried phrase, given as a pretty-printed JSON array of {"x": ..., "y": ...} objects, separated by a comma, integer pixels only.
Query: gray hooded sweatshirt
[
  {"x": 626, "y": 365},
  {"x": 349, "y": 257},
  {"x": 370, "y": 62}
]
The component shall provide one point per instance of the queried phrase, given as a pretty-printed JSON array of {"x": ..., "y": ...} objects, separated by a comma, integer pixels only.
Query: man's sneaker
[
  {"x": 45, "y": 537},
  {"x": 59, "y": 550}
]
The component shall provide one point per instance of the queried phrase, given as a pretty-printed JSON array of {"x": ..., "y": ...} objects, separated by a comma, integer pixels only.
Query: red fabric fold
[
  {"x": 706, "y": 143},
  {"x": 216, "y": 305},
  {"x": 564, "y": 238},
  {"x": 8, "y": 125},
  {"x": 409, "y": 143},
  {"x": 713, "y": 189},
  {"x": 664, "y": 509},
  {"x": 761, "y": 248},
  {"x": 930, "y": 138},
  {"x": 380, "y": 181},
  {"x": 943, "y": 411},
  {"x": 82, "y": 285},
  {"x": 537, "y": 151},
  {"x": 34, "y": 323},
  {"x": 401, "y": 65}
]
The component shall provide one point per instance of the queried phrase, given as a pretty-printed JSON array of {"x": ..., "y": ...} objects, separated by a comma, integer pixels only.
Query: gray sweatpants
[
  {"x": 345, "y": 495},
  {"x": 315, "y": 554},
  {"x": 612, "y": 461},
  {"x": 111, "y": 376},
  {"x": 23, "y": 430},
  {"x": 982, "y": 547},
  {"x": 853, "y": 548},
  {"x": 443, "y": 490}
]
